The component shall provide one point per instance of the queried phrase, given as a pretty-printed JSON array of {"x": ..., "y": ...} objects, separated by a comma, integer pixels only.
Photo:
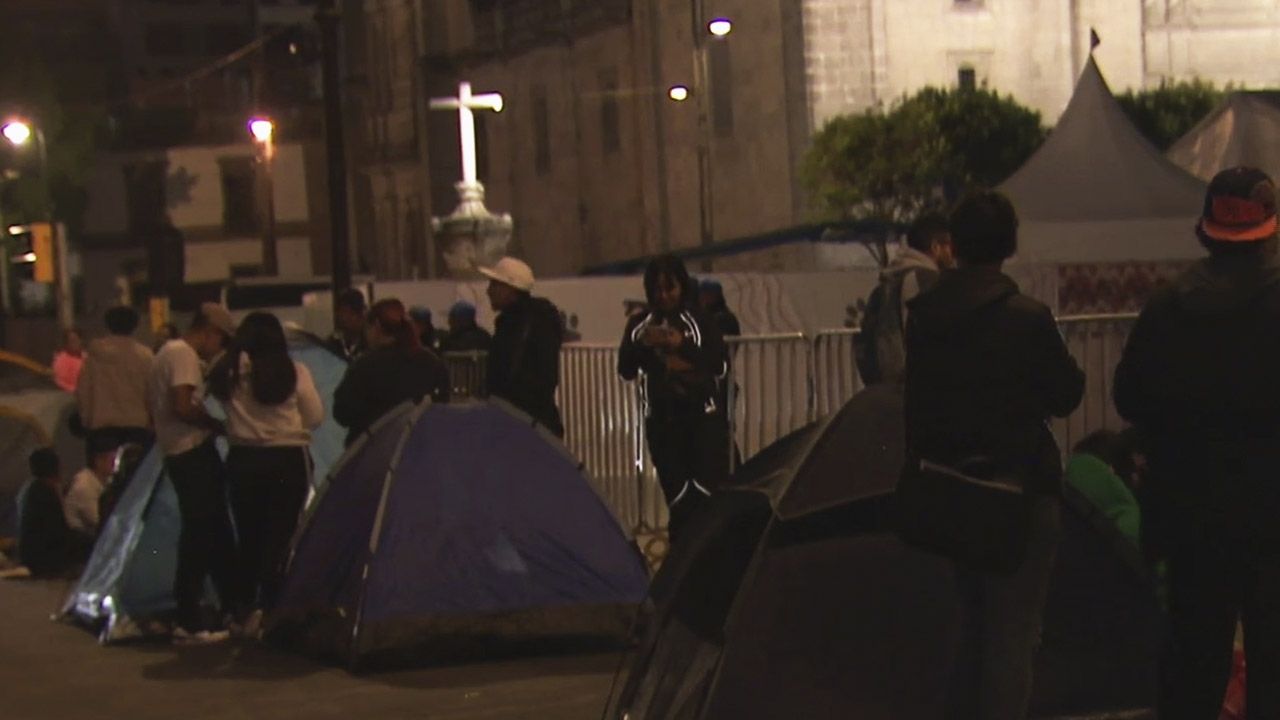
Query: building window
[
  {"x": 164, "y": 40},
  {"x": 541, "y": 132},
  {"x": 721, "y": 77},
  {"x": 144, "y": 190},
  {"x": 967, "y": 78},
  {"x": 610, "y": 122},
  {"x": 239, "y": 198}
]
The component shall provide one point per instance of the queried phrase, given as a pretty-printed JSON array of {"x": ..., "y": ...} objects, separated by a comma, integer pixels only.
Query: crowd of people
[
  {"x": 982, "y": 368},
  {"x": 240, "y": 512}
]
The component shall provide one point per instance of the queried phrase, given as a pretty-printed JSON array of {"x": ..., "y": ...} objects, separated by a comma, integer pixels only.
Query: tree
[
  {"x": 925, "y": 151},
  {"x": 1166, "y": 113},
  {"x": 30, "y": 90}
]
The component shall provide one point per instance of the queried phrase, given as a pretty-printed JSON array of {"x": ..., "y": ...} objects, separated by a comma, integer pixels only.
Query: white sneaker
[
  {"x": 182, "y": 636},
  {"x": 250, "y": 629}
]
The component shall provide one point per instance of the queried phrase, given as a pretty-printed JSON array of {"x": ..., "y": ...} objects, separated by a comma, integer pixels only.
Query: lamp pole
[
  {"x": 329, "y": 18},
  {"x": 19, "y": 132},
  {"x": 263, "y": 131},
  {"x": 704, "y": 32}
]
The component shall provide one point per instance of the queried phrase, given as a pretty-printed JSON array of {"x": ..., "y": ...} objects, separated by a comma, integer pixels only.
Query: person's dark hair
[
  {"x": 673, "y": 267},
  {"x": 98, "y": 443},
  {"x": 122, "y": 320},
  {"x": 1113, "y": 448},
  {"x": 352, "y": 299},
  {"x": 922, "y": 232},
  {"x": 390, "y": 317},
  {"x": 43, "y": 463},
  {"x": 984, "y": 229},
  {"x": 273, "y": 378}
]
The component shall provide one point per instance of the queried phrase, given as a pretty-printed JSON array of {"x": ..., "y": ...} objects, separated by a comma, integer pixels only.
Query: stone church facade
[{"x": 596, "y": 164}]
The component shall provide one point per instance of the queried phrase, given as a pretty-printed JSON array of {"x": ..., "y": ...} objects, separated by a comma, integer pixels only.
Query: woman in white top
[{"x": 272, "y": 406}]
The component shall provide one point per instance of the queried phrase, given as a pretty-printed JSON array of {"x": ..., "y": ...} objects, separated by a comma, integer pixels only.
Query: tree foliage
[
  {"x": 924, "y": 151},
  {"x": 30, "y": 90},
  {"x": 1166, "y": 113}
]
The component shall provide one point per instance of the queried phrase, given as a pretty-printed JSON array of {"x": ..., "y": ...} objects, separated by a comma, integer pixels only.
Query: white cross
[{"x": 465, "y": 103}]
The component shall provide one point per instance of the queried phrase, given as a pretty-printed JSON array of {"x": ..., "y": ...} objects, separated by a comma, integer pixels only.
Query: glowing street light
[
  {"x": 262, "y": 129},
  {"x": 17, "y": 132},
  {"x": 720, "y": 27},
  {"x": 678, "y": 93}
]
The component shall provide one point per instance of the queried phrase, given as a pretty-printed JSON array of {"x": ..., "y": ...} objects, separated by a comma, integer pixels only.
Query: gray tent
[
  {"x": 1243, "y": 130},
  {"x": 1098, "y": 191}
]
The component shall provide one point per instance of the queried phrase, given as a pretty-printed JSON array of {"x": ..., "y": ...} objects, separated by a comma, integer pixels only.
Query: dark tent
[
  {"x": 1098, "y": 191},
  {"x": 1240, "y": 131},
  {"x": 456, "y": 531},
  {"x": 792, "y": 598}
]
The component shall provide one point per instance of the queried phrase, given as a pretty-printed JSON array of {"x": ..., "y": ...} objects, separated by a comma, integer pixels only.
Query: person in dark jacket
[
  {"x": 45, "y": 544},
  {"x": 1198, "y": 378},
  {"x": 524, "y": 358},
  {"x": 985, "y": 369},
  {"x": 348, "y": 338},
  {"x": 464, "y": 334},
  {"x": 716, "y": 308},
  {"x": 396, "y": 369},
  {"x": 680, "y": 357}
]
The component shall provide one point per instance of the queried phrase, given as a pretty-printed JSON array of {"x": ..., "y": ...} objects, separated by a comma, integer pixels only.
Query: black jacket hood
[{"x": 961, "y": 293}]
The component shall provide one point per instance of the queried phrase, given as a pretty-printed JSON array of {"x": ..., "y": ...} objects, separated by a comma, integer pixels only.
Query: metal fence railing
[{"x": 777, "y": 384}]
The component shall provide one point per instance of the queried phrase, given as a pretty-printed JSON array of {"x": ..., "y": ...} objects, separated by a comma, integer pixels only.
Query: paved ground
[{"x": 52, "y": 670}]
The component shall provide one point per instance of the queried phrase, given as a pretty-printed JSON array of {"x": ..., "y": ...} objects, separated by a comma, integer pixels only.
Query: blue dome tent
[{"x": 456, "y": 531}]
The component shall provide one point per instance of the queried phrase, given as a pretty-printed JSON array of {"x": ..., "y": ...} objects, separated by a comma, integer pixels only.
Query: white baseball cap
[{"x": 510, "y": 271}]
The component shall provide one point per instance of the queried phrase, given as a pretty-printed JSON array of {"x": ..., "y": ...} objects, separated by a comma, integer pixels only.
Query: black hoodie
[
  {"x": 986, "y": 369},
  {"x": 1199, "y": 378}
]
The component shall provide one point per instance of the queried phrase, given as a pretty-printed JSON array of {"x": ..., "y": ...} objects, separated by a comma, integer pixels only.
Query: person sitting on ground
[
  {"x": 524, "y": 360},
  {"x": 68, "y": 360},
  {"x": 464, "y": 334},
  {"x": 112, "y": 392},
  {"x": 348, "y": 339},
  {"x": 1103, "y": 469},
  {"x": 82, "y": 501},
  {"x": 45, "y": 544},
  {"x": 394, "y": 370},
  {"x": 272, "y": 405},
  {"x": 879, "y": 347}
]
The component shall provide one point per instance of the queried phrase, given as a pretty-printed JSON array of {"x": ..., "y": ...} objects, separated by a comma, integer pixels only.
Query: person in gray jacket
[{"x": 879, "y": 348}]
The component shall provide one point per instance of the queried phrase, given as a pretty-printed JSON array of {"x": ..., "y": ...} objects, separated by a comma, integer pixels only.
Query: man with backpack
[{"x": 879, "y": 345}]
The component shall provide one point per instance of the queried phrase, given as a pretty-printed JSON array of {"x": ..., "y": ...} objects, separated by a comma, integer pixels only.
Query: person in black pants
[
  {"x": 1198, "y": 380},
  {"x": 683, "y": 360},
  {"x": 395, "y": 369},
  {"x": 272, "y": 406},
  {"x": 185, "y": 433}
]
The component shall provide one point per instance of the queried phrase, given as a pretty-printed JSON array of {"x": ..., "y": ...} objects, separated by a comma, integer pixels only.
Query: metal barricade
[
  {"x": 768, "y": 388},
  {"x": 835, "y": 370},
  {"x": 467, "y": 374},
  {"x": 604, "y": 429},
  {"x": 1096, "y": 342}
]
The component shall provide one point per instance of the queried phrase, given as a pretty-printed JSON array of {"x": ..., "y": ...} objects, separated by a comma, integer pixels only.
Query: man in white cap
[
  {"x": 524, "y": 359},
  {"x": 185, "y": 434}
]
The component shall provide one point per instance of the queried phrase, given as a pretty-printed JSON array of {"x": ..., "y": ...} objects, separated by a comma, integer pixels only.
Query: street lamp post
[
  {"x": 704, "y": 31},
  {"x": 263, "y": 132},
  {"x": 19, "y": 133}
]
